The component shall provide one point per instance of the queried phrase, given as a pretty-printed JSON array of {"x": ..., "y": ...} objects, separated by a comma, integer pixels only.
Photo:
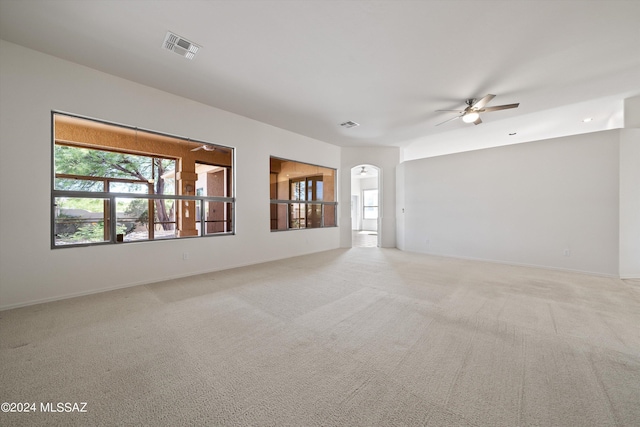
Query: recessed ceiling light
[
  {"x": 349, "y": 124},
  {"x": 587, "y": 120}
]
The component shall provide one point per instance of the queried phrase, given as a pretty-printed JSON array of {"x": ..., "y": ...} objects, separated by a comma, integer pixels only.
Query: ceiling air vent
[
  {"x": 180, "y": 45},
  {"x": 349, "y": 124}
]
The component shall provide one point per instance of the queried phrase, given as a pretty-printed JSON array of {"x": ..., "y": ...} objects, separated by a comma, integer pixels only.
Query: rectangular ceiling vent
[
  {"x": 180, "y": 45},
  {"x": 349, "y": 124}
]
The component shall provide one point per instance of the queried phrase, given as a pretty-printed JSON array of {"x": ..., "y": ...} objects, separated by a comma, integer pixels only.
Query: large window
[
  {"x": 302, "y": 195},
  {"x": 370, "y": 204},
  {"x": 114, "y": 184}
]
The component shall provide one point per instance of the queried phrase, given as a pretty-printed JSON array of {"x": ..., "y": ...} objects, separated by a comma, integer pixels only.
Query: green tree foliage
[
  {"x": 138, "y": 209},
  {"x": 103, "y": 164},
  {"x": 86, "y": 162},
  {"x": 93, "y": 232}
]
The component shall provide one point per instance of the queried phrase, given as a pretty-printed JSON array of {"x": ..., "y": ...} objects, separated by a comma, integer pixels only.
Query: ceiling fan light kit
[
  {"x": 471, "y": 114},
  {"x": 470, "y": 117}
]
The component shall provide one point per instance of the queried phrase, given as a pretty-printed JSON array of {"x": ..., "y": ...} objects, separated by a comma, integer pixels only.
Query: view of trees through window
[
  {"x": 90, "y": 170},
  {"x": 114, "y": 184}
]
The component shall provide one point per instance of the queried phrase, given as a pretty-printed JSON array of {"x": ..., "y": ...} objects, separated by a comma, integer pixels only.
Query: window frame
[
  {"x": 365, "y": 206},
  {"x": 112, "y": 197},
  {"x": 291, "y": 202}
]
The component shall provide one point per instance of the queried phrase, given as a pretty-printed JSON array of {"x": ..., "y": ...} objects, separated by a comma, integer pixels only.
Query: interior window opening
[
  {"x": 213, "y": 181},
  {"x": 116, "y": 184},
  {"x": 302, "y": 195}
]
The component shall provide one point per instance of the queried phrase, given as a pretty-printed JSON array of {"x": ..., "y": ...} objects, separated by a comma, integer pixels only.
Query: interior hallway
[{"x": 364, "y": 239}]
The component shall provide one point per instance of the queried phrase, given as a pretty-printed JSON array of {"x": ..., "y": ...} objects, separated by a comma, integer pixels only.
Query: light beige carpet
[{"x": 359, "y": 337}]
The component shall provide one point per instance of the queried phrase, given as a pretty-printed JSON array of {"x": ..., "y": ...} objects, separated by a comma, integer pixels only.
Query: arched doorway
[{"x": 365, "y": 206}]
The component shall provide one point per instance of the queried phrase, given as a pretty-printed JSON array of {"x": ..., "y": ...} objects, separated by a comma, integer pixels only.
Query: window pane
[
  {"x": 164, "y": 176},
  {"x": 133, "y": 219},
  {"x": 80, "y": 221},
  {"x": 314, "y": 188},
  {"x": 370, "y": 204},
  {"x": 298, "y": 188},
  {"x": 329, "y": 215},
  {"x": 129, "y": 187},
  {"x": 217, "y": 217},
  {"x": 297, "y": 215},
  {"x": 73, "y": 184},
  {"x": 370, "y": 197},
  {"x": 164, "y": 216},
  {"x": 314, "y": 216},
  {"x": 279, "y": 216},
  {"x": 92, "y": 162},
  {"x": 371, "y": 212},
  {"x": 212, "y": 181}
]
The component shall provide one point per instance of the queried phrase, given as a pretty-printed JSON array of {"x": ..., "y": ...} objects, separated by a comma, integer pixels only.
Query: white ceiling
[{"x": 308, "y": 66}]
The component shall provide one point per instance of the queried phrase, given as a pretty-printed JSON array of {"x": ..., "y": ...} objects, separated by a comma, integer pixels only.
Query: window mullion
[{"x": 113, "y": 223}]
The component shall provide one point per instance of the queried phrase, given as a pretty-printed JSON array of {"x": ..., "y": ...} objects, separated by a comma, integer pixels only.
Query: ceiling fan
[
  {"x": 205, "y": 147},
  {"x": 471, "y": 114},
  {"x": 210, "y": 148}
]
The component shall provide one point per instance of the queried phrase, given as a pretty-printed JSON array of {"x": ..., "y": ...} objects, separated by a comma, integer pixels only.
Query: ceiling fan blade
[
  {"x": 453, "y": 118},
  {"x": 209, "y": 148},
  {"x": 478, "y": 121},
  {"x": 499, "y": 107},
  {"x": 482, "y": 102},
  {"x": 450, "y": 111}
]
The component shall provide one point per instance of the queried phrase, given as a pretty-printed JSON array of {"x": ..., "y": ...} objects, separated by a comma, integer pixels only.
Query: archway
[{"x": 365, "y": 206}]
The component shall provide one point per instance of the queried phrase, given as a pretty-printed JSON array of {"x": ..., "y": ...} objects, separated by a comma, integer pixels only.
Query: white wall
[
  {"x": 630, "y": 190},
  {"x": 630, "y": 203},
  {"x": 632, "y": 112},
  {"x": 401, "y": 230},
  {"x": 356, "y": 221},
  {"x": 521, "y": 204},
  {"x": 385, "y": 159},
  {"x": 31, "y": 86}
]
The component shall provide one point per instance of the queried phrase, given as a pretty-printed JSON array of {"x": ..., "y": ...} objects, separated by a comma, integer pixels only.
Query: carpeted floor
[
  {"x": 364, "y": 239},
  {"x": 359, "y": 337}
]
